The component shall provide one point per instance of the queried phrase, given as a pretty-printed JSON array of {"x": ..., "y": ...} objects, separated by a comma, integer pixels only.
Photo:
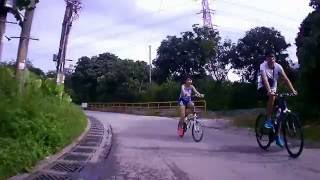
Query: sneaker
[
  {"x": 268, "y": 124},
  {"x": 279, "y": 141},
  {"x": 180, "y": 132}
]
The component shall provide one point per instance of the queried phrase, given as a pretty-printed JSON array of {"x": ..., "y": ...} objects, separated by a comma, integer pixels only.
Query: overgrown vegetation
[
  {"x": 308, "y": 52},
  {"x": 34, "y": 122}
]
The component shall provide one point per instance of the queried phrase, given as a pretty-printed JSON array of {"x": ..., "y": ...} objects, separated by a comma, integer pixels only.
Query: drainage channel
[{"x": 70, "y": 164}]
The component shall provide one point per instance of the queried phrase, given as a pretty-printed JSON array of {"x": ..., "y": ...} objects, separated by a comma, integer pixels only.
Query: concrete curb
[
  {"x": 91, "y": 147},
  {"x": 48, "y": 160}
]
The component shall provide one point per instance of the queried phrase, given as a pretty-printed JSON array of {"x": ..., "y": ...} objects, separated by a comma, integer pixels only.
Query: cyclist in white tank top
[{"x": 185, "y": 100}]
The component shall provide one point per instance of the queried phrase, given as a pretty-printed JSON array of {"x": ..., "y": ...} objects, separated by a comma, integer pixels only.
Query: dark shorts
[{"x": 263, "y": 94}]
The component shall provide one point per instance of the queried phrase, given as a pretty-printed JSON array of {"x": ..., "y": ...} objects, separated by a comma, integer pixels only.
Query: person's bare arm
[
  {"x": 265, "y": 81},
  {"x": 184, "y": 93},
  {"x": 288, "y": 82},
  {"x": 196, "y": 92}
]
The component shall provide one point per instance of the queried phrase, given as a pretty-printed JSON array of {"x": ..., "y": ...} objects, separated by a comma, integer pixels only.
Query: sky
[{"x": 127, "y": 27}]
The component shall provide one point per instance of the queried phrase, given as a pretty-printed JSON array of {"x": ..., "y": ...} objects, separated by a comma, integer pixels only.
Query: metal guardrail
[{"x": 147, "y": 105}]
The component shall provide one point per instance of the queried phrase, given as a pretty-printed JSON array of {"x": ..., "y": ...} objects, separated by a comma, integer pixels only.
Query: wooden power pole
[
  {"x": 150, "y": 80},
  {"x": 71, "y": 12},
  {"x": 24, "y": 42},
  {"x": 3, "y": 18}
]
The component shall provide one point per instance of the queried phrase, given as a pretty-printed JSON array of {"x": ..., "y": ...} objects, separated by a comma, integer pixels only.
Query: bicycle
[
  {"x": 285, "y": 121},
  {"x": 192, "y": 122}
]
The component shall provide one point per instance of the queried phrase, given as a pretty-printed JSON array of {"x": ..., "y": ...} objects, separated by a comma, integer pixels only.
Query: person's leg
[
  {"x": 270, "y": 104},
  {"x": 181, "y": 122},
  {"x": 182, "y": 113},
  {"x": 191, "y": 107},
  {"x": 263, "y": 96},
  {"x": 269, "y": 123}
]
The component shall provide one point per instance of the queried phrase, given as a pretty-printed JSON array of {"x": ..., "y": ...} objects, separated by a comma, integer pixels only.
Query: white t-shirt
[{"x": 271, "y": 74}]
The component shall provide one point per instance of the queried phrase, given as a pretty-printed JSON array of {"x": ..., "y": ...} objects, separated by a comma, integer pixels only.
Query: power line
[
  {"x": 224, "y": 1},
  {"x": 138, "y": 17},
  {"x": 146, "y": 26},
  {"x": 259, "y": 10},
  {"x": 252, "y": 18}
]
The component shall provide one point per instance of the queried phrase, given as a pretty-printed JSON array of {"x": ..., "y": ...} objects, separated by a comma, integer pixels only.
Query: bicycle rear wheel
[
  {"x": 197, "y": 131},
  {"x": 264, "y": 136},
  {"x": 293, "y": 135}
]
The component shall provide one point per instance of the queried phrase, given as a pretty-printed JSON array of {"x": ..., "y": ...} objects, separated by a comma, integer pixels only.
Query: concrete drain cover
[
  {"x": 91, "y": 140},
  {"x": 100, "y": 133},
  {"x": 47, "y": 176},
  {"x": 96, "y": 129},
  {"x": 93, "y": 137},
  {"x": 84, "y": 150},
  {"x": 75, "y": 157},
  {"x": 95, "y": 134},
  {"x": 67, "y": 167},
  {"x": 89, "y": 144}
]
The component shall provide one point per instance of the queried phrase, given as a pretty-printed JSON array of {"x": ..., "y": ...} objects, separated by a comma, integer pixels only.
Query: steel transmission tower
[
  {"x": 72, "y": 12},
  {"x": 206, "y": 14}
]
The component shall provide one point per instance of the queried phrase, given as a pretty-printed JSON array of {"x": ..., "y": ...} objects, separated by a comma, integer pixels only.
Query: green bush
[
  {"x": 168, "y": 91},
  {"x": 228, "y": 95},
  {"x": 35, "y": 122},
  {"x": 219, "y": 96}
]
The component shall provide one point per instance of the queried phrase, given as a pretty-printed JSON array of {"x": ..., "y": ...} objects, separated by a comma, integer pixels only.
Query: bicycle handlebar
[
  {"x": 286, "y": 94},
  {"x": 195, "y": 96}
]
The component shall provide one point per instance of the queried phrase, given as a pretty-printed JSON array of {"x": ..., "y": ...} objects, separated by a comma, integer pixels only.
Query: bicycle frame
[
  {"x": 191, "y": 120},
  {"x": 282, "y": 107}
]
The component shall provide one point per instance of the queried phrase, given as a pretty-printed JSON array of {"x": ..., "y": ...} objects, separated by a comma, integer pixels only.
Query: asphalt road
[{"x": 149, "y": 148}]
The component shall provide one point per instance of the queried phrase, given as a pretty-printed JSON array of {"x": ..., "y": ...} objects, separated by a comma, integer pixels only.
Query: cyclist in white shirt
[{"x": 270, "y": 71}]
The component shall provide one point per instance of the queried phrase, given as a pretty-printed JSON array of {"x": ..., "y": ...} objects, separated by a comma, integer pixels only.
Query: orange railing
[{"x": 201, "y": 105}]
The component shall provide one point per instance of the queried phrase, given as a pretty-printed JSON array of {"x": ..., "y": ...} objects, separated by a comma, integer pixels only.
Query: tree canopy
[
  {"x": 308, "y": 52},
  {"x": 106, "y": 78},
  {"x": 250, "y": 52},
  {"x": 185, "y": 55}
]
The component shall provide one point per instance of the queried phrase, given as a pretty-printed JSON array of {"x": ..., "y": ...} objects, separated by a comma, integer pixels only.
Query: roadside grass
[{"x": 34, "y": 123}]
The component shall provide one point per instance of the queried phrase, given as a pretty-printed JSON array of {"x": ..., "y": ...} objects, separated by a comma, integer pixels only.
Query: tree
[
  {"x": 219, "y": 65},
  {"x": 29, "y": 66},
  {"x": 85, "y": 79},
  {"x": 23, "y": 4},
  {"x": 108, "y": 78},
  {"x": 308, "y": 52},
  {"x": 251, "y": 49},
  {"x": 51, "y": 74},
  {"x": 188, "y": 54},
  {"x": 315, "y": 4}
]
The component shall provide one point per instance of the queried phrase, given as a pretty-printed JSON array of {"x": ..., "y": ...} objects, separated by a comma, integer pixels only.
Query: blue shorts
[{"x": 185, "y": 101}]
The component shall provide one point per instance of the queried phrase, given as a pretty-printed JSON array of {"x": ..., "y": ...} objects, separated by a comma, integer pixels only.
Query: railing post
[{"x": 205, "y": 106}]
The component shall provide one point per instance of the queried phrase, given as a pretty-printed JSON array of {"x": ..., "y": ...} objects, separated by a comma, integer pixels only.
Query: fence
[{"x": 200, "y": 105}]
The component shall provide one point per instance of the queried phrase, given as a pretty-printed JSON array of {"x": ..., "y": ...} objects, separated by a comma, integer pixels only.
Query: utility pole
[
  {"x": 24, "y": 42},
  {"x": 7, "y": 6},
  {"x": 3, "y": 19},
  {"x": 150, "y": 64},
  {"x": 71, "y": 13},
  {"x": 206, "y": 14}
]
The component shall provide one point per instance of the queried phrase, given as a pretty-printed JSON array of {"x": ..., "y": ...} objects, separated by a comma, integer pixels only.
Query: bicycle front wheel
[
  {"x": 197, "y": 131},
  {"x": 293, "y": 135}
]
